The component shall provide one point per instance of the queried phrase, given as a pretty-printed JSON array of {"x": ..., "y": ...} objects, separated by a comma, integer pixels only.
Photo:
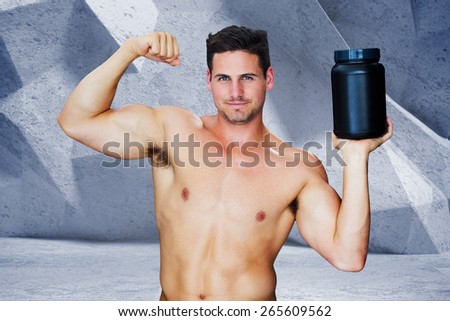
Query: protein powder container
[{"x": 359, "y": 94}]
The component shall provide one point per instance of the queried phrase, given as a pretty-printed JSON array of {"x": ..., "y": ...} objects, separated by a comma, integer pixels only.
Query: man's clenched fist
[{"x": 158, "y": 46}]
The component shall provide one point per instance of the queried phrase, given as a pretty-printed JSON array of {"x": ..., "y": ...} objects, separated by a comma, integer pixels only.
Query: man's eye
[
  {"x": 247, "y": 77},
  {"x": 222, "y": 78}
]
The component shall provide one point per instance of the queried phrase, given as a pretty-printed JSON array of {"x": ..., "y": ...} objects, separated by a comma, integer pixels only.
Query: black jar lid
[{"x": 357, "y": 54}]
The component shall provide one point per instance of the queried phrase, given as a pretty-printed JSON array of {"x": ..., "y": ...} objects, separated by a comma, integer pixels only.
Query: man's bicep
[
  {"x": 316, "y": 216},
  {"x": 125, "y": 133}
]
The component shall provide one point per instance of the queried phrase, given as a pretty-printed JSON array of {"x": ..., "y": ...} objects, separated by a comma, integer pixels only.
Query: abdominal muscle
[
  {"x": 216, "y": 281},
  {"x": 204, "y": 262}
]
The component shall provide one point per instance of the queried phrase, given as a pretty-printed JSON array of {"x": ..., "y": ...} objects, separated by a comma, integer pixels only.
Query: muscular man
[{"x": 225, "y": 205}]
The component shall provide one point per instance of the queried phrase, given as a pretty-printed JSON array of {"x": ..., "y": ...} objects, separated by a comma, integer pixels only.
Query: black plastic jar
[{"x": 359, "y": 95}]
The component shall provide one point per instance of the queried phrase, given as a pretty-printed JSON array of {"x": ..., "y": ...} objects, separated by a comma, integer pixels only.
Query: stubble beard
[{"x": 240, "y": 117}]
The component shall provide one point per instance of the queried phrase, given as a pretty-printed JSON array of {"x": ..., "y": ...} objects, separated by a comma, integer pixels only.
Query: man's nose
[{"x": 237, "y": 89}]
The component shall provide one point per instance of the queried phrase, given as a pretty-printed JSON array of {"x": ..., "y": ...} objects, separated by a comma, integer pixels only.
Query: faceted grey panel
[{"x": 9, "y": 79}]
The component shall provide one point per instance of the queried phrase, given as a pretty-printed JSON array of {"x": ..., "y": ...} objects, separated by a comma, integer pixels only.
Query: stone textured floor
[{"x": 38, "y": 269}]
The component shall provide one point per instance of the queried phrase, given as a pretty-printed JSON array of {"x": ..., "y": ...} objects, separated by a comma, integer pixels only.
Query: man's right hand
[{"x": 158, "y": 46}]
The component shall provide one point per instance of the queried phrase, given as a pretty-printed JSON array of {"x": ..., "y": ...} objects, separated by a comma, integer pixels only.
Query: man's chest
[{"x": 258, "y": 192}]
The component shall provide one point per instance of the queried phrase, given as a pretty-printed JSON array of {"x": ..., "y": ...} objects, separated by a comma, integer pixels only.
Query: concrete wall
[{"x": 51, "y": 186}]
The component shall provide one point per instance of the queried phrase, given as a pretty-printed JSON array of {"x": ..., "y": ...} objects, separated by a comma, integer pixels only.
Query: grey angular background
[
  {"x": 92, "y": 227},
  {"x": 52, "y": 187}
]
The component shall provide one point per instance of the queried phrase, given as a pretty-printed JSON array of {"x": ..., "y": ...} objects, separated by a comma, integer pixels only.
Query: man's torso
[{"x": 223, "y": 215}]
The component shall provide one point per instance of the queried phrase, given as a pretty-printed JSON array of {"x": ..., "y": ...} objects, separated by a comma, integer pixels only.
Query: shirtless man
[{"x": 221, "y": 223}]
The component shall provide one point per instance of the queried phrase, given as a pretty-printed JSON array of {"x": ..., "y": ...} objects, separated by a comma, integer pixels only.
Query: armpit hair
[
  {"x": 158, "y": 154},
  {"x": 293, "y": 206}
]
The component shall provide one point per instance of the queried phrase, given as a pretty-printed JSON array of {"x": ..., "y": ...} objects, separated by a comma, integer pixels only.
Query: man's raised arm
[
  {"x": 87, "y": 115},
  {"x": 339, "y": 229}
]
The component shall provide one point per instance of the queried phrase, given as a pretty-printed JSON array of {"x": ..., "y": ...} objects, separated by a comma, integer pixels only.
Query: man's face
[{"x": 238, "y": 85}]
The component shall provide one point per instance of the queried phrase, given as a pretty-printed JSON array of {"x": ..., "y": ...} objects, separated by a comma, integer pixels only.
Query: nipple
[
  {"x": 185, "y": 194},
  {"x": 260, "y": 216},
  {"x": 202, "y": 296}
]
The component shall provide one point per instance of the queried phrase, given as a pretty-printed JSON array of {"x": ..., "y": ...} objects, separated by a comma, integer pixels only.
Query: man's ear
[
  {"x": 269, "y": 79},
  {"x": 208, "y": 79}
]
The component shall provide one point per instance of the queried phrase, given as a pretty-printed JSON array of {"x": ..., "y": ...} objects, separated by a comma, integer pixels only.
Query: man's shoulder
[
  {"x": 176, "y": 116},
  {"x": 303, "y": 162},
  {"x": 287, "y": 150},
  {"x": 176, "y": 111}
]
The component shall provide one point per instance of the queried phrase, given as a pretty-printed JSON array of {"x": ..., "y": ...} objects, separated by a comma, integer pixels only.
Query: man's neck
[{"x": 228, "y": 132}]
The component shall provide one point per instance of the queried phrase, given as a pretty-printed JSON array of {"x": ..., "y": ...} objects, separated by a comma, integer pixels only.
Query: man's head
[
  {"x": 236, "y": 38},
  {"x": 239, "y": 73}
]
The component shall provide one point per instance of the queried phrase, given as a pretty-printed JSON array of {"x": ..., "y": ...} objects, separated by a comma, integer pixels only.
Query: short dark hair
[{"x": 234, "y": 38}]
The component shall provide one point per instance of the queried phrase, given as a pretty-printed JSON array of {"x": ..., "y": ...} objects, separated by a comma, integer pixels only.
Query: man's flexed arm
[
  {"x": 339, "y": 229},
  {"x": 87, "y": 116}
]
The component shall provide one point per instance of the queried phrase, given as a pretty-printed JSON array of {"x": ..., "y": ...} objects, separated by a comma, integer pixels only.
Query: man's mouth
[{"x": 237, "y": 104}]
